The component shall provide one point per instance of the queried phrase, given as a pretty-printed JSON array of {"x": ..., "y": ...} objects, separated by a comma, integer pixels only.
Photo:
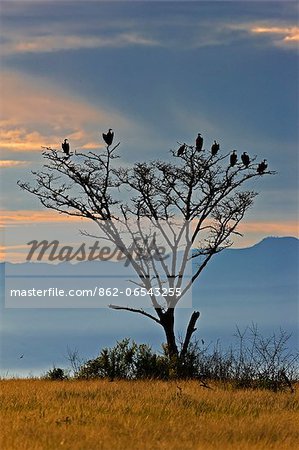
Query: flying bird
[
  {"x": 245, "y": 159},
  {"x": 181, "y": 150},
  {"x": 108, "y": 138},
  {"x": 66, "y": 147},
  {"x": 262, "y": 167},
  {"x": 233, "y": 158},
  {"x": 22, "y": 356},
  {"x": 199, "y": 142},
  {"x": 215, "y": 148}
]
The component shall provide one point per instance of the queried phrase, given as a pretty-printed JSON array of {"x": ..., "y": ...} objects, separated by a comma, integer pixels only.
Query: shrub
[
  {"x": 56, "y": 374},
  {"x": 254, "y": 362},
  {"x": 127, "y": 360}
]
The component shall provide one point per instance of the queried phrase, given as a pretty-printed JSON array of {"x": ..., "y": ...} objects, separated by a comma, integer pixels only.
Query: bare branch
[{"x": 139, "y": 311}]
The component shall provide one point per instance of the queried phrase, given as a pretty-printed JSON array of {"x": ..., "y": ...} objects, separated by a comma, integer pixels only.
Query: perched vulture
[
  {"x": 245, "y": 159},
  {"x": 66, "y": 147},
  {"x": 233, "y": 158},
  {"x": 262, "y": 167},
  {"x": 108, "y": 138},
  {"x": 181, "y": 150},
  {"x": 215, "y": 148},
  {"x": 199, "y": 142}
]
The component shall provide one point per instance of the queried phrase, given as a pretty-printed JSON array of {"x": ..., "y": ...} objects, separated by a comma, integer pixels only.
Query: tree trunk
[
  {"x": 190, "y": 330},
  {"x": 167, "y": 322}
]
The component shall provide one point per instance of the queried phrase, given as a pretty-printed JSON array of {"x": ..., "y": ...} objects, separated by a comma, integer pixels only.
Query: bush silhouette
[
  {"x": 254, "y": 362},
  {"x": 56, "y": 374}
]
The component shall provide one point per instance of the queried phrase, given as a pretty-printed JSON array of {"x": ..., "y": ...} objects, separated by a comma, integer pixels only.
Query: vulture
[
  {"x": 199, "y": 142},
  {"x": 215, "y": 148},
  {"x": 233, "y": 158},
  {"x": 181, "y": 150},
  {"x": 66, "y": 147},
  {"x": 262, "y": 167},
  {"x": 245, "y": 159},
  {"x": 108, "y": 138}
]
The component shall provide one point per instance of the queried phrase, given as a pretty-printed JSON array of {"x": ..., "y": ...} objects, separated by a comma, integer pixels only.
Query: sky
[{"x": 157, "y": 73}]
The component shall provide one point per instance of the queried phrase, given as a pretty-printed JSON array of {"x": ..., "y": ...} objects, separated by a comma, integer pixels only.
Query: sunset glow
[
  {"x": 13, "y": 218},
  {"x": 4, "y": 164},
  {"x": 290, "y": 34}
]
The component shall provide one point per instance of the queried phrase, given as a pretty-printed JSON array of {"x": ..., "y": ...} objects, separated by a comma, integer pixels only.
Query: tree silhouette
[{"x": 199, "y": 190}]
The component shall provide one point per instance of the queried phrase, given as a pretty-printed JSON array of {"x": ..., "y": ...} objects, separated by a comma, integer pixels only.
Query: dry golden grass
[{"x": 120, "y": 415}]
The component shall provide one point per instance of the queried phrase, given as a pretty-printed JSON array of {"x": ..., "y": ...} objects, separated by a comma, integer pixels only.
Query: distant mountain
[
  {"x": 272, "y": 259},
  {"x": 257, "y": 284},
  {"x": 239, "y": 286}
]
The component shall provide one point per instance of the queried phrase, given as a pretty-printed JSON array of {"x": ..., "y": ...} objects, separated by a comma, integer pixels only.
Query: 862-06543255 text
[{"x": 96, "y": 291}]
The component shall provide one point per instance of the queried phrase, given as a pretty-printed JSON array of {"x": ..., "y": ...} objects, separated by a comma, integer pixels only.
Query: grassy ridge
[{"x": 48, "y": 415}]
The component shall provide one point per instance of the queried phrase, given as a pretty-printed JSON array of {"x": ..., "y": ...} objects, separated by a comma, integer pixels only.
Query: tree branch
[
  {"x": 190, "y": 330},
  {"x": 139, "y": 311}
]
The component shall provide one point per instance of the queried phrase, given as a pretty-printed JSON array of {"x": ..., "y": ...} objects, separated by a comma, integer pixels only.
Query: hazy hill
[
  {"x": 239, "y": 286},
  {"x": 257, "y": 284}
]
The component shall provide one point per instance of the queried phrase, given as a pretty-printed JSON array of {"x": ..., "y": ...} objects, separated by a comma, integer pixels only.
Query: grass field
[{"x": 120, "y": 415}]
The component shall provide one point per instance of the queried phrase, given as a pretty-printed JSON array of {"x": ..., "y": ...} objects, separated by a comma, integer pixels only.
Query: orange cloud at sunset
[
  {"x": 17, "y": 218},
  {"x": 54, "y": 113},
  {"x": 26, "y": 216},
  {"x": 285, "y": 228},
  {"x": 20, "y": 139},
  {"x": 263, "y": 228},
  {"x": 282, "y": 36},
  {"x": 288, "y": 33},
  {"x": 5, "y": 163}
]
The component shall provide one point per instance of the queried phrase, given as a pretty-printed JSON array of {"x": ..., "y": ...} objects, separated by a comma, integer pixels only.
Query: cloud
[
  {"x": 29, "y": 105},
  {"x": 12, "y": 253},
  {"x": 8, "y": 163},
  {"x": 113, "y": 26},
  {"x": 17, "y": 44},
  {"x": 280, "y": 35},
  {"x": 182, "y": 31},
  {"x": 283, "y": 228},
  {"x": 290, "y": 33},
  {"x": 25, "y": 217},
  {"x": 11, "y": 218},
  {"x": 255, "y": 231},
  {"x": 20, "y": 139}
]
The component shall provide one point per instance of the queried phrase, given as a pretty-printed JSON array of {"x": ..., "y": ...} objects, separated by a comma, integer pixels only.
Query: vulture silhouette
[
  {"x": 245, "y": 159},
  {"x": 66, "y": 147},
  {"x": 215, "y": 148},
  {"x": 181, "y": 150},
  {"x": 262, "y": 167},
  {"x": 108, "y": 138},
  {"x": 199, "y": 142},
  {"x": 233, "y": 158}
]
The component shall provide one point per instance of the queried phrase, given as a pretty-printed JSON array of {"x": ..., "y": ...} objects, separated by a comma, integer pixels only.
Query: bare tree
[{"x": 201, "y": 188}]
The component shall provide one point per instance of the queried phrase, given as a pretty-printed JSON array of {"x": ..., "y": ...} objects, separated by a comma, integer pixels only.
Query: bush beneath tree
[{"x": 254, "y": 362}]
